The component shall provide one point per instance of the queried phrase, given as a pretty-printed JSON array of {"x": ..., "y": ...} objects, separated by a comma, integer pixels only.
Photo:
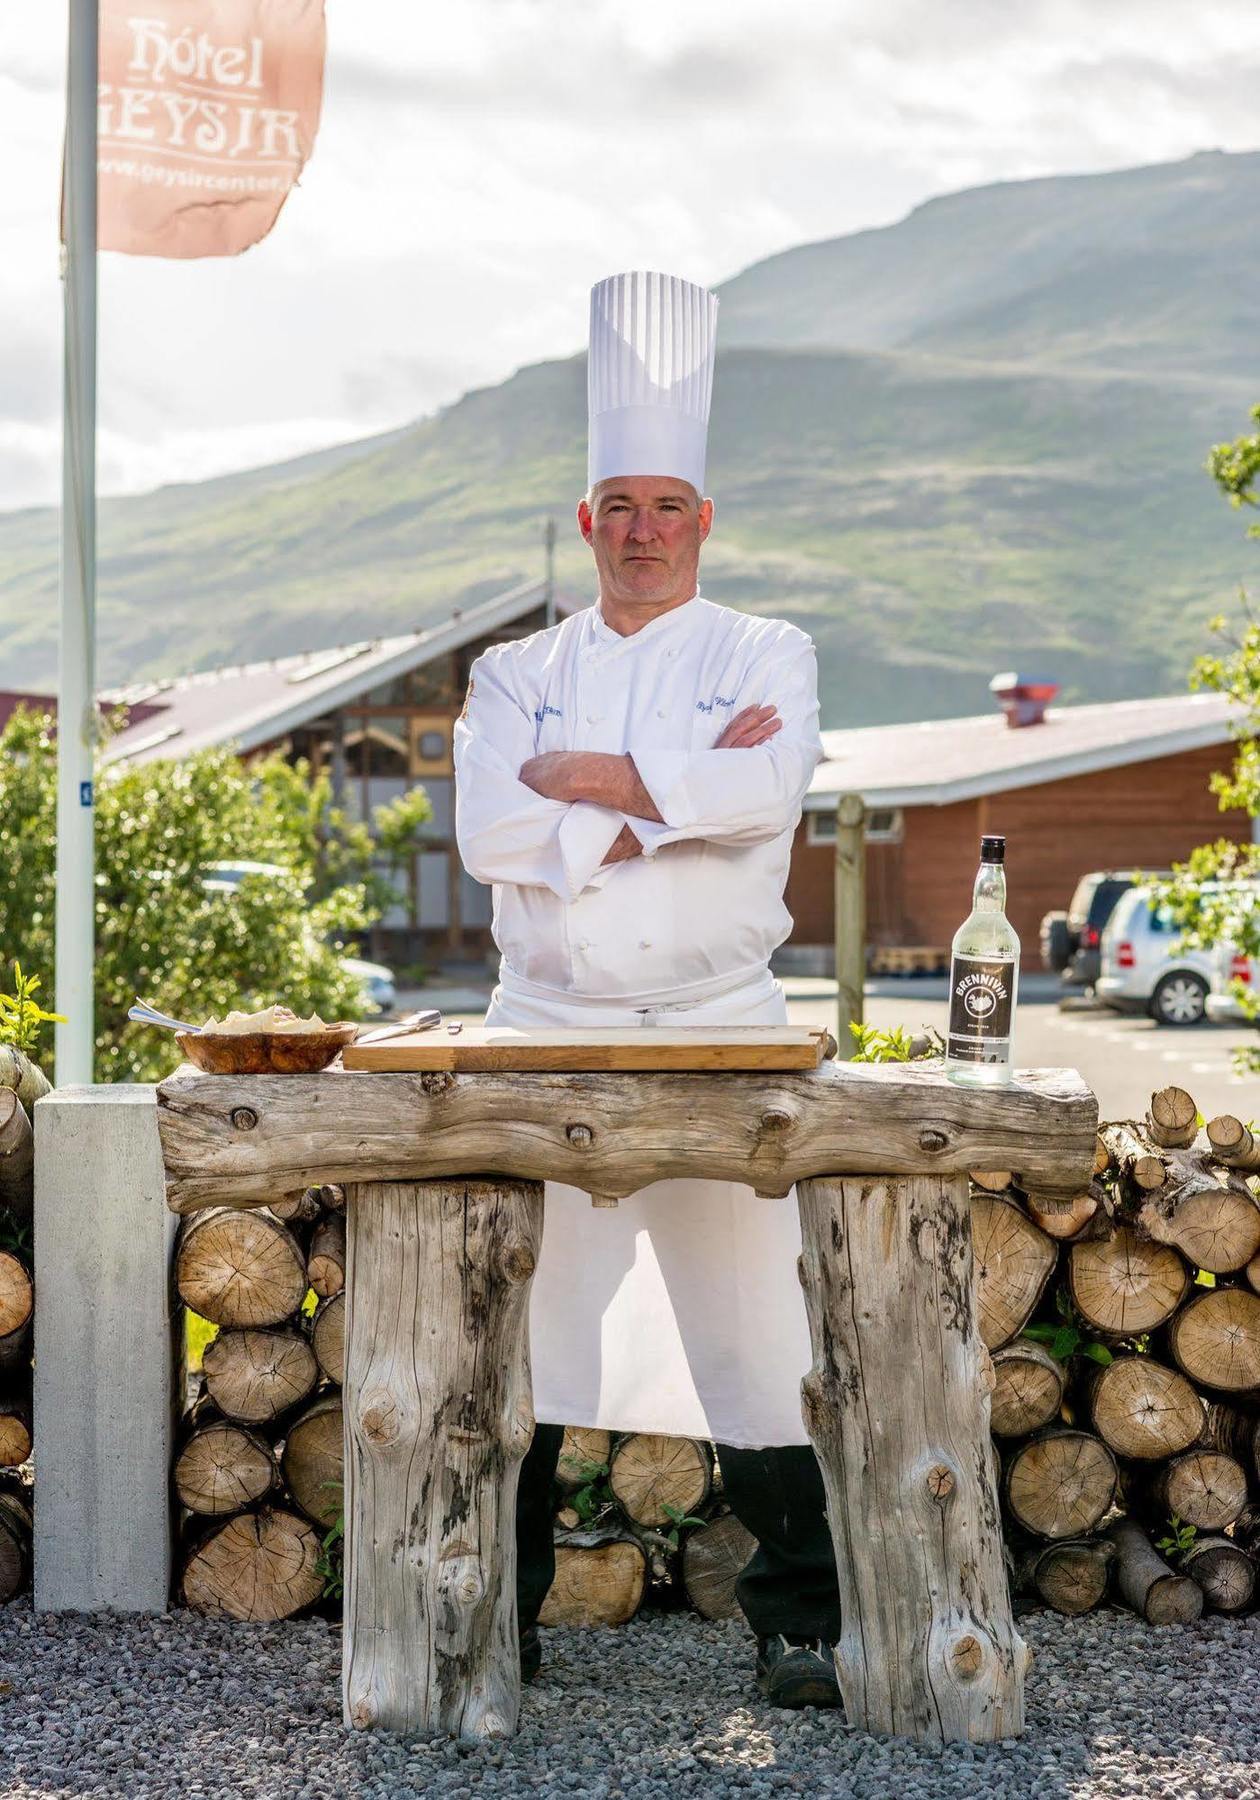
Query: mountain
[{"x": 967, "y": 441}]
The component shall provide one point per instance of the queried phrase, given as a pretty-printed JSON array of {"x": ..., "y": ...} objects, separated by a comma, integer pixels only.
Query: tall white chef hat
[{"x": 649, "y": 377}]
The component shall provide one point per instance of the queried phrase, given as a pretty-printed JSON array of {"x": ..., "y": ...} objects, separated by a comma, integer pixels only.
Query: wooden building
[
  {"x": 378, "y": 717},
  {"x": 1110, "y": 786}
]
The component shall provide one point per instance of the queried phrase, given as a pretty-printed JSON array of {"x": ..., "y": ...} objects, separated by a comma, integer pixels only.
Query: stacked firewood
[
  {"x": 1124, "y": 1332},
  {"x": 641, "y": 1515},
  {"x": 22, "y": 1083},
  {"x": 258, "y": 1471}
]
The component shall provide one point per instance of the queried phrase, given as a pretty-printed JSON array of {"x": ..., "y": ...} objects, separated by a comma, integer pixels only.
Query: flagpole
[{"x": 76, "y": 694}]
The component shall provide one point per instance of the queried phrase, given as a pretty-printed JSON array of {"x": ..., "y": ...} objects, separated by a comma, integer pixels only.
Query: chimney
[{"x": 1023, "y": 698}]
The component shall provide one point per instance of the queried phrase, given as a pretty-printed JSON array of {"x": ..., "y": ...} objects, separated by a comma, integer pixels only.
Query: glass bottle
[{"x": 983, "y": 980}]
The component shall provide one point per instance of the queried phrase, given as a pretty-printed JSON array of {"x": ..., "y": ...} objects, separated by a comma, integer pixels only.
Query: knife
[{"x": 416, "y": 1021}]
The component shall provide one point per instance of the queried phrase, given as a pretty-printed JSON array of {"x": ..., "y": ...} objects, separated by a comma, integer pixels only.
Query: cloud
[{"x": 479, "y": 165}]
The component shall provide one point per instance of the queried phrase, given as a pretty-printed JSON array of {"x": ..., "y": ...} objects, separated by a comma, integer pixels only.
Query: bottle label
[{"x": 980, "y": 996}]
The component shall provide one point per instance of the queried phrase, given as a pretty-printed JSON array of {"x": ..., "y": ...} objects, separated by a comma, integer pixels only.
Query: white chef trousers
[{"x": 679, "y": 1310}]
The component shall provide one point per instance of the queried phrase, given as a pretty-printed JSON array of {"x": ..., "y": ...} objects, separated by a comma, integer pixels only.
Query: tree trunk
[
  {"x": 1064, "y": 1223},
  {"x": 301, "y": 1207},
  {"x": 255, "y": 1376},
  {"x": 993, "y": 1181},
  {"x": 437, "y": 1423},
  {"x": 15, "y": 1351},
  {"x": 1224, "y": 1571},
  {"x": 1061, "y": 1484},
  {"x": 1013, "y": 1260},
  {"x": 899, "y": 1420},
  {"x": 259, "y": 1565},
  {"x": 1232, "y": 1142},
  {"x": 583, "y": 1448},
  {"x": 1209, "y": 1214},
  {"x": 1070, "y": 1577},
  {"x": 1216, "y": 1339},
  {"x": 1144, "y": 1410},
  {"x": 15, "y": 1432},
  {"x": 240, "y": 1269},
  {"x": 1173, "y": 1119},
  {"x": 328, "y": 1337},
  {"x": 23, "y": 1077},
  {"x": 1206, "y": 1488},
  {"x": 1140, "y": 1168},
  {"x": 224, "y": 1467},
  {"x": 326, "y": 1258},
  {"x": 649, "y": 1474},
  {"x": 1145, "y": 1582},
  {"x": 1027, "y": 1391},
  {"x": 1253, "y": 1274},
  {"x": 714, "y": 1557},
  {"x": 601, "y": 1577},
  {"x": 17, "y": 1293},
  {"x": 1237, "y": 1434},
  {"x": 314, "y": 1460},
  {"x": 17, "y": 1158},
  {"x": 1123, "y": 1286},
  {"x": 16, "y": 1529}
]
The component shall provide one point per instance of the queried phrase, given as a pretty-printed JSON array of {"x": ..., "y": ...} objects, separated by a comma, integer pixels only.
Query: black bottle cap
[{"x": 992, "y": 849}]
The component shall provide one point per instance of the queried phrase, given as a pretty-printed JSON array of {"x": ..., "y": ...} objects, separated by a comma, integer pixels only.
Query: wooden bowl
[{"x": 265, "y": 1052}]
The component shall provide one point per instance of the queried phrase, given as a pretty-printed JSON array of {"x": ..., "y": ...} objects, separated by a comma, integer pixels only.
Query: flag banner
[{"x": 207, "y": 113}]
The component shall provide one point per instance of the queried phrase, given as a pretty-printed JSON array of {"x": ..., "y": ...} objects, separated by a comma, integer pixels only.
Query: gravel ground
[{"x": 663, "y": 1707}]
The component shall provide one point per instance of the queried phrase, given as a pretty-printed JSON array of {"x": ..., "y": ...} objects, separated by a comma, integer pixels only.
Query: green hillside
[{"x": 946, "y": 448}]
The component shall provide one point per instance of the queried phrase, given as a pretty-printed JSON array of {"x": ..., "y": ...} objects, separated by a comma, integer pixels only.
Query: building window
[{"x": 883, "y": 826}]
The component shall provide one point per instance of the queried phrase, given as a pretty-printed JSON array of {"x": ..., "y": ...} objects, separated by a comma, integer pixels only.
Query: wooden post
[
  {"x": 850, "y": 917},
  {"x": 439, "y": 1413},
  {"x": 899, "y": 1417}
]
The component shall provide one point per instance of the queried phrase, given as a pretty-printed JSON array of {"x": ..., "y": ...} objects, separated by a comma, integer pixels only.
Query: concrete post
[{"x": 105, "y": 1353}]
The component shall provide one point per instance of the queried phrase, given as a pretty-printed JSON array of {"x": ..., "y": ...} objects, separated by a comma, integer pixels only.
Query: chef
[{"x": 629, "y": 782}]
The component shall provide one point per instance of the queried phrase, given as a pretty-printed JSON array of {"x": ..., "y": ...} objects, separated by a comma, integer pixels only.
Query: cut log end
[
  {"x": 258, "y": 1566},
  {"x": 1124, "y": 1286},
  {"x": 600, "y": 1579},
  {"x": 653, "y": 1477},
  {"x": 1013, "y": 1260},
  {"x": 1061, "y": 1485}
]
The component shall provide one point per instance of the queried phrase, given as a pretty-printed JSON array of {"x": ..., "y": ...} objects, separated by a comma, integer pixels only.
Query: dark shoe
[
  {"x": 531, "y": 1653},
  {"x": 793, "y": 1675}
]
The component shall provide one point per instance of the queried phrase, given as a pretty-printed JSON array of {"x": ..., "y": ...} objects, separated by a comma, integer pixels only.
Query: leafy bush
[{"x": 160, "y": 933}]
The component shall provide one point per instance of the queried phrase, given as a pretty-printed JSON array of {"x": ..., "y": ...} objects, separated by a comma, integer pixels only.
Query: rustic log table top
[{"x": 443, "y": 1174}]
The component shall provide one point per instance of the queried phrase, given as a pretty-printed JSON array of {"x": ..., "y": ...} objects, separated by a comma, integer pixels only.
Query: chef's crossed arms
[{"x": 613, "y": 781}]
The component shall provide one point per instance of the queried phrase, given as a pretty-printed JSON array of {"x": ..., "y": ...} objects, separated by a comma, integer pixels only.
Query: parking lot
[{"x": 1122, "y": 1058}]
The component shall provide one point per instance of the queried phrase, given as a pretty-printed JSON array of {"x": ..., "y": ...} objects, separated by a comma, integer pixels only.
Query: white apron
[{"x": 680, "y": 1309}]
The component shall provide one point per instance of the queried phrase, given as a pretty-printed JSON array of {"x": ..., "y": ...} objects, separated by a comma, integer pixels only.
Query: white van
[{"x": 1143, "y": 969}]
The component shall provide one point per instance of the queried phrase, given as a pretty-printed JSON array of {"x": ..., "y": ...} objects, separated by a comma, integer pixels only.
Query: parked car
[
  {"x": 1230, "y": 966},
  {"x": 379, "y": 989},
  {"x": 1143, "y": 967},
  {"x": 1071, "y": 941}
]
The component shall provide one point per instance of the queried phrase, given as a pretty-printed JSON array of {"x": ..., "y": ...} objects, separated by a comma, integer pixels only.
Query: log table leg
[
  {"x": 439, "y": 1413},
  {"x": 899, "y": 1417}
]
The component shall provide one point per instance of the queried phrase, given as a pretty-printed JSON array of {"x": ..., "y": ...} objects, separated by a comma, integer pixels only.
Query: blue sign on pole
[{"x": 85, "y": 793}]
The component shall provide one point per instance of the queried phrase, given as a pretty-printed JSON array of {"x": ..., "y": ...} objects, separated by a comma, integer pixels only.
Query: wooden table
[{"x": 444, "y": 1175}]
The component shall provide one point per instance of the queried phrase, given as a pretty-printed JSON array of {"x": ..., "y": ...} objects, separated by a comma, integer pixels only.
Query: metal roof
[
  {"x": 939, "y": 761},
  {"x": 258, "y": 702}
]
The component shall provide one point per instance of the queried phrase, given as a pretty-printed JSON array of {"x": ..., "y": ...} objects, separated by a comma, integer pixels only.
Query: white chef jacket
[
  {"x": 679, "y": 1311},
  {"x": 703, "y": 906}
]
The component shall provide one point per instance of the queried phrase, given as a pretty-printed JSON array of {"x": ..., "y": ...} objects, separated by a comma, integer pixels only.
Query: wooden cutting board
[{"x": 482, "y": 1048}]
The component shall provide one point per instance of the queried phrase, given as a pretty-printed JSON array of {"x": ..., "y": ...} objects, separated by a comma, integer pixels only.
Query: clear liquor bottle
[{"x": 983, "y": 980}]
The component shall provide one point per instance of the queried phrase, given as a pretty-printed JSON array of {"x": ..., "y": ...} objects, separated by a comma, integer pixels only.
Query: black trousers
[{"x": 789, "y": 1585}]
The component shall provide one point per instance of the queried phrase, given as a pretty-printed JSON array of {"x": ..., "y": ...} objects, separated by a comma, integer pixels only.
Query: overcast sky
[{"x": 481, "y": 162}]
